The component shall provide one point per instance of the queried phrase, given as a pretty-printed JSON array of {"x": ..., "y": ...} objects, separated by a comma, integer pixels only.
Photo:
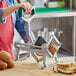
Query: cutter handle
[{"x": 21, "y": 11}]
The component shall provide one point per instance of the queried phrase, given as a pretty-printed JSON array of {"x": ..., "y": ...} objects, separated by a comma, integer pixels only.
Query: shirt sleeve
[{"x": 1, "y": 18}]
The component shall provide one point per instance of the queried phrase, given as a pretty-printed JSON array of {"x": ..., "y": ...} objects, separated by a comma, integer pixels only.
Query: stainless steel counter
[{"x": 57, "y": 14}]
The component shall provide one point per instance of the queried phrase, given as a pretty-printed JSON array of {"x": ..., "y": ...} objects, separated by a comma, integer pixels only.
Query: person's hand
[{"x": 27, "y": 7}]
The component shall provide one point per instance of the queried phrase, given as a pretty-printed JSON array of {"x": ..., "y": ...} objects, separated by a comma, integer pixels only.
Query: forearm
[{"x": 9, "y": 10}]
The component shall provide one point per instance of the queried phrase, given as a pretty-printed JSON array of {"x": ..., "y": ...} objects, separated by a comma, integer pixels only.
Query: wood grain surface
[{"x": 30, "y": 67}]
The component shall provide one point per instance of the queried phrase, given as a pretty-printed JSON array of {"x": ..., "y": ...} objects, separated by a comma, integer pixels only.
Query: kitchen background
[{"x": 63, "y": 24}]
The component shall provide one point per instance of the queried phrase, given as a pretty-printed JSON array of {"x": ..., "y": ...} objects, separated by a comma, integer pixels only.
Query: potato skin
[
  {"x": 10, "y": 64},
  {"x": 3, "y": 65},
  {"x": 5, "y": 56},
  {"x": 53, "y": 48}
]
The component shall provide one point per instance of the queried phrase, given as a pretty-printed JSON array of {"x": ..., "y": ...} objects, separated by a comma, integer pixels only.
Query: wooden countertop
[{"x": 29, "y": 67}]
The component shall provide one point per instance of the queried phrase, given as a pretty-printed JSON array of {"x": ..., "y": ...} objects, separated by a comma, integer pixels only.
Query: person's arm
[{"x": 7, "y": 11}]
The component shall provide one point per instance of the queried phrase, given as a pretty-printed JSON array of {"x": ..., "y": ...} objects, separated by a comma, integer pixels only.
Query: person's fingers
[
  {"x": 26, "y": 11},
  {"x": 27, "y": 7},
  {"x": 29, "y": 10}
]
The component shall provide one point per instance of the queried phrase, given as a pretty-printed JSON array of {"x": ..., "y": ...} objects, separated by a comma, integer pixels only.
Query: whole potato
[
  {"x": 3, "y": 65},
  {"x": 5, "y": 56},
  {"x": 10, "y": 64},
  {"x": 53, "y": 48}
]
